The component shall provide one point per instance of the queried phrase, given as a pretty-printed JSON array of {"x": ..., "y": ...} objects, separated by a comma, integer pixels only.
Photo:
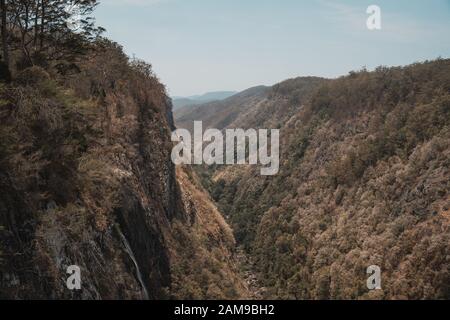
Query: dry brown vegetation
[
  {"x": 364, "y": 179},
  {"x": 204, "y": 266},
  {"x": 85, "y": 158}
]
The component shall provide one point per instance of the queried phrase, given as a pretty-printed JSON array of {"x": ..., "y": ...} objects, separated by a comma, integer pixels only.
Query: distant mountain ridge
[
  {"x": 259, "y": 106},
  {"x": 180, "y": 102}
]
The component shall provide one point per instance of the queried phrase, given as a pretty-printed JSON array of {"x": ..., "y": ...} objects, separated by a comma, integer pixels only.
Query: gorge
[{"x": 349, "y": 200}]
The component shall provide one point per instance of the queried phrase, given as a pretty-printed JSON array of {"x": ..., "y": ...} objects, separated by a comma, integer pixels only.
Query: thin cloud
[
  {"x": 140, "y": 3},
  {"x": 395, "y": 26},
  {"x": 340, "y": 13}
]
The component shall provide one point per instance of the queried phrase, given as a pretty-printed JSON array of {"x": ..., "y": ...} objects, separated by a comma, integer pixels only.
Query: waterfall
[{"x": 133, "y": 258}]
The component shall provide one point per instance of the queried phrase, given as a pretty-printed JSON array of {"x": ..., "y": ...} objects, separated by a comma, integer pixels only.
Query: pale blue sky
[{"x": 196, "y": 46}]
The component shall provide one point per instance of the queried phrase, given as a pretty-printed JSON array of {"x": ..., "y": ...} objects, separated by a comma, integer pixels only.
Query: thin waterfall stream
[{"x": 133, "y": 258}]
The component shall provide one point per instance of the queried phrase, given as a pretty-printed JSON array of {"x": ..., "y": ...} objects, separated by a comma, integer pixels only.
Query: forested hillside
[
  {"x": 258, "y": 107},
  {"x": 364, "y": 180},
  {"x": 86, "y": 177}
]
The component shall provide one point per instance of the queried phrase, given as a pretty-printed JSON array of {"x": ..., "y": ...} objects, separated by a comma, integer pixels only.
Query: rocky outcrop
[{"x": 86, "y": 179}]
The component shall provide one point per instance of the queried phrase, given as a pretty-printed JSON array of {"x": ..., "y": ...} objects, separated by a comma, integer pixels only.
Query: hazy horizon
[{"x": 265, "y": 42}]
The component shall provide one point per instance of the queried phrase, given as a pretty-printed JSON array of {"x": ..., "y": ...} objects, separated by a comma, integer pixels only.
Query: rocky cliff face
[{"x": 86, "y": 179}]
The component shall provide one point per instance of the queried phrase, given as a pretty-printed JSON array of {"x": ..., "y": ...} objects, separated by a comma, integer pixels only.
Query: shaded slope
[{"x": 86, "y": 179}]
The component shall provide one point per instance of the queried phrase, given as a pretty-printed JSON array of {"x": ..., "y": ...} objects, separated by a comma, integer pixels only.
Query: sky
[{"x": 198, "y": 46}]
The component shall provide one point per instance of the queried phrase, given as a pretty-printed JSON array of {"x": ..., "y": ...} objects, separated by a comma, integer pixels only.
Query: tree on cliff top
[{"x": 46, "y": 32}]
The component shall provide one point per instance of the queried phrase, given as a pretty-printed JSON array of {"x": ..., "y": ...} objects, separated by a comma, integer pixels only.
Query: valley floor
[{"x": 247, "y": 268}]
